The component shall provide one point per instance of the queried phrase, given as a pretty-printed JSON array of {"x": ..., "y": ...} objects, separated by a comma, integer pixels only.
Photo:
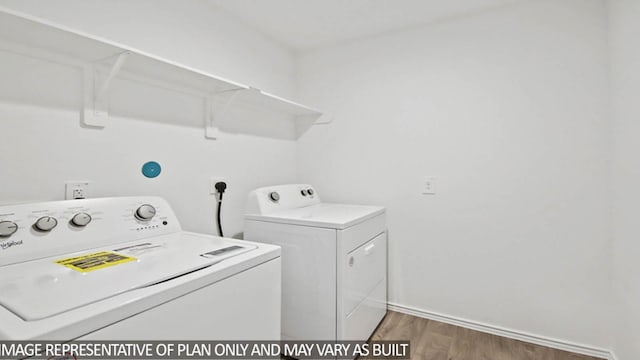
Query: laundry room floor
[{"x": 433, "y": 340}]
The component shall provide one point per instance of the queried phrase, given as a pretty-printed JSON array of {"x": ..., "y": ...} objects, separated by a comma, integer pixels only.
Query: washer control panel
[
  {"x": 33, "y": 231},
  {"x": 281, "y": 197}
]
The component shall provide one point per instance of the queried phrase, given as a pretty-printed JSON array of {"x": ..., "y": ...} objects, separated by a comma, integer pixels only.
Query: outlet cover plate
[
  {"x": 429, "y": 185},
  {"x": 213, "y": 181},
  {"x": 78, "y": 189}
]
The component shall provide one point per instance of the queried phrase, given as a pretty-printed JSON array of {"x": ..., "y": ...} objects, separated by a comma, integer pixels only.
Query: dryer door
[
  {"x": 364, "y": 289},
  {"x": 366, "y": 267}
]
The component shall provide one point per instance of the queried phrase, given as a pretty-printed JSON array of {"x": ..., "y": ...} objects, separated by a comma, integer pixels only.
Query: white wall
[
  {"x": 43, "y": 144},
  {"x": 625, "y": 51},
  {"x": 508, "y": 109}
]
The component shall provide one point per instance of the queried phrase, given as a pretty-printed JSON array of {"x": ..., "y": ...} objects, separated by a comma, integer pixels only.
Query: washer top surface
[
  {"x": 325, "y": 215},
  {"x": 42, "y": 288},
  {"x": 70, "y": 267}
]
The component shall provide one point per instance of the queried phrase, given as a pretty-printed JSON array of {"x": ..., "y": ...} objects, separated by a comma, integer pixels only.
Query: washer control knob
[
  {"x": 80, "y": 219},
  {"x": 7, "y": 228},
  {"x": 310, "y": 192},
  {"x": 274, "y": 196},
  {"x": 145, "y": 212},
  {"x": 304, "y": 192},
  {"x": 45, "y": 224}
]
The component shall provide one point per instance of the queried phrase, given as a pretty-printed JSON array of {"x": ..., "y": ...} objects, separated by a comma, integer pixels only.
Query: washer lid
[
  {"x": 325, "y": 215},
  {"x": 42, "y": 288}
]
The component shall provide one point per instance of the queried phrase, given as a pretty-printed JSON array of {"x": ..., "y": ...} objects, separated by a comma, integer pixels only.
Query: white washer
[
  {"x": 123, "y": 269},
  {"x": 334, "y": 261}
]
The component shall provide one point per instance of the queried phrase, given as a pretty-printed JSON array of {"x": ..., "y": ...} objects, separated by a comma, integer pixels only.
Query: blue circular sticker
[{"x": 151, "y": 169}]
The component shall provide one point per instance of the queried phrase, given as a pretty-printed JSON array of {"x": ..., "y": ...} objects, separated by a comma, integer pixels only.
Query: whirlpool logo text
[{"x": 8, "y": 244}]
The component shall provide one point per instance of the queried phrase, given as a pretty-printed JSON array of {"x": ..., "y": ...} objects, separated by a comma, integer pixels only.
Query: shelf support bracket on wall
[
  {"x": 96, "y": 89},
  {"x": 214, "y": 112}
]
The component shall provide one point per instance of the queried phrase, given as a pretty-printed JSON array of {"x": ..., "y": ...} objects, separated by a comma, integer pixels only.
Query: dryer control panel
[
  {"x": 38, "y": 230},
  {"x": 270, "y": 199}
]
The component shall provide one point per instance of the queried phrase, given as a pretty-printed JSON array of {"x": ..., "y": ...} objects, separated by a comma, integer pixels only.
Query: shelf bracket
[
  {"x": 96, "y": 89},
  {"x": 324, "y": 119},
  {"x": 214, "y": 112}
]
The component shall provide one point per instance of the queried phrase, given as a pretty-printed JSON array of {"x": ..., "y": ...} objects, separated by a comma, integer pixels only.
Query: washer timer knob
[
  {"x": 310, "y": 192},
  {"x": 145, "y": 212},
  {"x": 45, "y": 224},
  {"x": 80, "y": 219},
  {"x": 7, "y": 228}
]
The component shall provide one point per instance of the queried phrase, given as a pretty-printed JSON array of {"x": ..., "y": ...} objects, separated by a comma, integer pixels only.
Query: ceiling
[{"x": 309, "y": 24}]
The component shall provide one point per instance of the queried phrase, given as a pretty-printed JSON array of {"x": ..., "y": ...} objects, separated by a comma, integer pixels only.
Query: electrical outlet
[
  {"x": 76, "y": 190},
  {"x": 429, "y": 185},
  {"x": 212, "y": 184}
]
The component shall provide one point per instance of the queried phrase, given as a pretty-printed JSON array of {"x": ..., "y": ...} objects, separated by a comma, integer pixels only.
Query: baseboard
[{"x": 512, "y": 334}]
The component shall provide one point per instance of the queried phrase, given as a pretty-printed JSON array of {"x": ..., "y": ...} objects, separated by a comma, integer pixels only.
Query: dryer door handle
[{"x": 369, "y": 249}]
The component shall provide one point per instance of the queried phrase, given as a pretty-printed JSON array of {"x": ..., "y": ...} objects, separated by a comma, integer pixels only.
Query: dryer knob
[
  {"x": 80, "y": 219},
  {"x": 45, "y": 224},
  {"x": 145, "y": 212},
  {"x": 310, "y": 191},
  {"x": 7, "y": 228},
  {"x": 274, "y": 196},
  {"x": 304, "y": 192}
]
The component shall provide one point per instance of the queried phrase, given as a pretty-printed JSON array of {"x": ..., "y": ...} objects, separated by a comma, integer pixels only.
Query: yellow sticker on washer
[{"x": 95, "y": 261}]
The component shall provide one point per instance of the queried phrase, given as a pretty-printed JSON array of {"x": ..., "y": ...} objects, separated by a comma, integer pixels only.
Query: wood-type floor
[{"x": 433, "y": 340}]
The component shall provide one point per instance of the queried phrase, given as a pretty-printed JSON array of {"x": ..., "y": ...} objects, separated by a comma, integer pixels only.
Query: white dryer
[
  {"x": 334, "y": 261},
  {"x": 123, "y": 269}
]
